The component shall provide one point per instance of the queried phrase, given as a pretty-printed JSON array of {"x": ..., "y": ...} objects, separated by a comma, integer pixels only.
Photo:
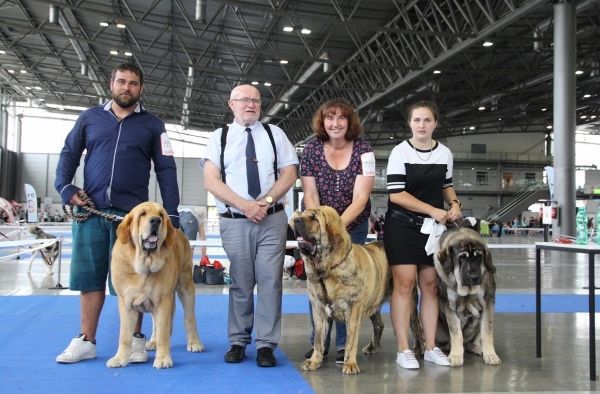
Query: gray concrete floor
[{"x": 564, "y": 365}]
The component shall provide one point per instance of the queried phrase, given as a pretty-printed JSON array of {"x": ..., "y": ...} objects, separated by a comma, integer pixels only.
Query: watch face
[{"x": 269, "y": 200}]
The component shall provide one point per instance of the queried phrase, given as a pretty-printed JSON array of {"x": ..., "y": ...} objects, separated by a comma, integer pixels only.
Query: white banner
[
  {"x": 550, "y": 176},
  {"x": 32, "y": 214}
]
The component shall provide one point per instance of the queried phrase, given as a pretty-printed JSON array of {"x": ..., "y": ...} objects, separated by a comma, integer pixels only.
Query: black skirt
[{"x": 404, "y": 242}]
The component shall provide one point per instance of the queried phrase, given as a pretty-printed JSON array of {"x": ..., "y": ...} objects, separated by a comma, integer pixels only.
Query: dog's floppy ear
[
  {"x": 123, "y": 231},
  {"x": 171, "y": 231},
  {"x": 487, "y": 261},
  {"x": 333, "y": 221},
  {"x": 445, "y": 258}
]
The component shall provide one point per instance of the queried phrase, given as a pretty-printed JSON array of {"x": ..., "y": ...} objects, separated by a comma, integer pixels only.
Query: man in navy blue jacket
[{"x": 121, "y": 139}]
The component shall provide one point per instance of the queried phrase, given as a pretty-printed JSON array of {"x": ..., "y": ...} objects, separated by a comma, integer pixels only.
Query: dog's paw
[
  {"x": 475, "y": 349},
  {"x": 163, "y": 362},
  {"x": 370, "y": 349},
  {"x": 351, "y": 369},
  {"x": 151, "y": 345},
  {"x": 456, "y": 360},
  {"x": 117, "y": 362},
  {"x": 310, "y": 366},
  {"x": 195, "y": 347},
  {"x": 491, "y": 359}
]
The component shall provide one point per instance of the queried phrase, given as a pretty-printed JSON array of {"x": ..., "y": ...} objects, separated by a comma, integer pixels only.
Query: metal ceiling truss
[{"x": 380, "y": 55}]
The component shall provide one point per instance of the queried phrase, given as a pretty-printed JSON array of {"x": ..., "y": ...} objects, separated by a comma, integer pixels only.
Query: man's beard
[{"x": 124, "y": 103}]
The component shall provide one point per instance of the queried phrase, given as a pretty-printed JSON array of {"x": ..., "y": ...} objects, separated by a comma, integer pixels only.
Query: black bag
[
  {"x": 214, "y": 276},
  {"x": 199, "y": 274}
]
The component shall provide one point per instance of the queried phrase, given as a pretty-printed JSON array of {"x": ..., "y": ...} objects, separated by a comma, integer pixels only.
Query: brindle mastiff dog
[
  {"x": 467, "y": 294},
  {"x": 346, "y": 282}
]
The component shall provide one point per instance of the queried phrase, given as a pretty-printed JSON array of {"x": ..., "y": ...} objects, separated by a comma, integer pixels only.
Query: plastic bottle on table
[
  {"x": 581, "y": 231},
  {"x": 598, "y": 226}
]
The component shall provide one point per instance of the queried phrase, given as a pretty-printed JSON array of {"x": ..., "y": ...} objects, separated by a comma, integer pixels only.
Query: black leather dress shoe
[
  {"x": 265, "y": 357},
  {"x": 235, "y": 354},
  {"x": 309, "y": 354}
]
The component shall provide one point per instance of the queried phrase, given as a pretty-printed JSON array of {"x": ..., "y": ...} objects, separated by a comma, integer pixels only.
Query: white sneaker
[
  {"x": 79, "y": 349},
  {"x": 407, "y": 360},
  {"x": 436, "y": 356},
  {"x": 138, "y": 350}
]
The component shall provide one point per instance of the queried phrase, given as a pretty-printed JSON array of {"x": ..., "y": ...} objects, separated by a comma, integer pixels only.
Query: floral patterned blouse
[{"x": 335, "y": 186}]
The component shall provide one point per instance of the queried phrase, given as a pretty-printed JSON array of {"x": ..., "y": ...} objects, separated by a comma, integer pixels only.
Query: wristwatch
[{"x": 269, "y": 200}]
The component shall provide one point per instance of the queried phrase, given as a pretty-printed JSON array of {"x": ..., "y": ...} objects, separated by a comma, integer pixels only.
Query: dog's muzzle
[
  {"x": 306, "y": 247},
  {"x": 151, "y": 243}
]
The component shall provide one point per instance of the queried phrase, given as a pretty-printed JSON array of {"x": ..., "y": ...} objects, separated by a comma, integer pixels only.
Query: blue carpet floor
[
  {"x": 35, "y": 329},
  {"x": 505, "y": 303}
]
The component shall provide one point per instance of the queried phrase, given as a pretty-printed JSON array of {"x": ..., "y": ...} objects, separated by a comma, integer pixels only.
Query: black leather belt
[
  {"x": 406, "y": 216},
  {"x": 233, "y": 215}
]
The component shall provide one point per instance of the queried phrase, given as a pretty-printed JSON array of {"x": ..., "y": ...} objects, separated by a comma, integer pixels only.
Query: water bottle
[
  {"x": 581, "y": 231},
  {"x": 598, "y": 226}
]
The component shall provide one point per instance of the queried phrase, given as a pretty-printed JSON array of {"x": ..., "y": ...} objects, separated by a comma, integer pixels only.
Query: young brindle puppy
[{"x": 346, "y": 282}]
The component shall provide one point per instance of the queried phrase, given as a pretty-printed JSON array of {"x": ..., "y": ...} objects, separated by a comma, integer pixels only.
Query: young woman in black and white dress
[{"x": 419, "y": 181}]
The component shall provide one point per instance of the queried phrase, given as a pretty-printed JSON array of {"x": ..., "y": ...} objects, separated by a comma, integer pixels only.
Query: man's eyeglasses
[{"x": 246, "y": 101}]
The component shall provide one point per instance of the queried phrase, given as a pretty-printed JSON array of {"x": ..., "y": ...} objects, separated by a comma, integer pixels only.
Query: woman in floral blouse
[{"x": 337, "y": 169}]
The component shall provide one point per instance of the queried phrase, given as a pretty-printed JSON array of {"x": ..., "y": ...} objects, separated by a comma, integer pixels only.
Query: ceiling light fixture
[
  {"x": 267, "y": 84},
  {"x": 593, "y": 117},
  {"x": 11, "y": 71},
  {"x": 113, "y": 52},
  {"x": 2, "y": 52},
  {"x": 53, "y": 15},
  {"x": 104, "y": 24},
  {"x": 578, "y": 72},
  {"x": 282, "y": 61},
  {"x": 549, "y": 127},
  {"x": 587, "y": 95},
  {"x": 255, "y": 82},
  {"x": 488, "y": 44},
  {"x": 305, "y": 31},
  {"x": 128, "y": 54},
  {"x": 200, "y": 10},
  {"x": 37, "y": 88},
  {"x": 481, "y": 108},
  {"x": 288, "y": 28},
  {"x": 23, "y": 71},
  {"x": 437, "y": 72},
  {"x": 121, "y": 25},
  {"x": 583, "y": 116},
  {"x": 472, "y": 128},
  {"x": 543, "y": 109}
]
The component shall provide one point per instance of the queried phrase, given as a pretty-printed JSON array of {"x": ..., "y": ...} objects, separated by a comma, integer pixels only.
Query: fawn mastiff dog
[
  {"x": 346, "y": 282},
  {"x": 151, "y": 261},
  {"x": 467, "y": 294}
]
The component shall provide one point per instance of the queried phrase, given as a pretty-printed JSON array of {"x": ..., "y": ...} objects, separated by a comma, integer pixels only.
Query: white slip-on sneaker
[
  {"x": 436, "y": 356},
  {"x": 79, "y": 349},
  {"x": 138, "y": 350},
  {"x": 407, "y": 360}
]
